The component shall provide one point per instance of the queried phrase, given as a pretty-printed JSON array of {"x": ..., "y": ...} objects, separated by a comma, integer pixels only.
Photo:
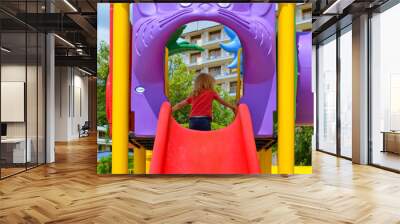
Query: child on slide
[{"x": 201, "y": 101}]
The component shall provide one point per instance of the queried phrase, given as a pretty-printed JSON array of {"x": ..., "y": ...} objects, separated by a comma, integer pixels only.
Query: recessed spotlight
[
  {"x": 70, "y": 5},
  {"x": 84, "y": 71},
  {"x": 5, "y": 50},
  {"x": 64, "y": 40}
]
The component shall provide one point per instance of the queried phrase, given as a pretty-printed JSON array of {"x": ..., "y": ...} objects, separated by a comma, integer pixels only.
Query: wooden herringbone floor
[{"x": 70, "y": 191}]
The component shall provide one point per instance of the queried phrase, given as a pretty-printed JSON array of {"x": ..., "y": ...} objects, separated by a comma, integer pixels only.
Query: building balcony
[
  {"x": 226, "y": 75},
  {"x": 304, "y": 24},
  {"x": 205, "y": 43},
  {"x": 304, "y": 20},
  {"x": 209, "y": 62},
  {"x": 212, "y": 43}
]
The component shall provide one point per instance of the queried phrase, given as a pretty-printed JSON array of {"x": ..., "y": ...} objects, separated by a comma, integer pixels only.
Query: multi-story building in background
[
  {"x": 214, "y": 60},
  {"x": 304, "y": 17}
]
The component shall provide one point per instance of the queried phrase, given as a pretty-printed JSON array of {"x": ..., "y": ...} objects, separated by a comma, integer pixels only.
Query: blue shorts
[{"x": 200, "y": 123}]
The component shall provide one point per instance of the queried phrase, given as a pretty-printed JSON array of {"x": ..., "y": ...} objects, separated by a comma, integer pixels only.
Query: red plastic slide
[{"x": 178, "y": 150}]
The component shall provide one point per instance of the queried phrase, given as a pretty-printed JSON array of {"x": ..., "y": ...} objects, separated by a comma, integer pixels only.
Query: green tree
[
  {"x": 303, "y": 140},
  {"x": 103, "y": 54},
  {"x": 181, "y": 85},
  {"x": 302, "y": 144},
  {"x": 102, "y": 74}
]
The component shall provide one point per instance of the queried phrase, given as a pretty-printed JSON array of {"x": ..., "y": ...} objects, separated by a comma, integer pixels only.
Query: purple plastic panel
[
  {"x": 305, "y": 97},
  {"x": 153, "y": 23}
]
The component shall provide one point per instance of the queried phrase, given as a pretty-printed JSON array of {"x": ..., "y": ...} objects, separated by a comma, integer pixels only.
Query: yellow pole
[
  {"x": 286, "y": 79},
  {"x": 265, "y": 160},
  {"x": 166, "y": 87},
  {"x": 239, "y": 82},
  {"x": 139, "y": 160},
  {"x": 268, "y": 160},
  {"x": 120, "y": 95},
  {"x": 149, "y": 155},
  {"x": 261, "y": 160}
]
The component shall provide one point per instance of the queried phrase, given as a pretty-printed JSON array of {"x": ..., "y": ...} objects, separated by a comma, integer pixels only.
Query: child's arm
[
  {"x": 180, "y": 105},
  {"x": 226, "y": 104}
]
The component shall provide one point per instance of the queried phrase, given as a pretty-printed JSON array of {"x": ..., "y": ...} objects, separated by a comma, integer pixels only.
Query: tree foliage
[
  {"x": 104, "y": 166},
  {"x": 302, "y": 144},
  {"x": 303, "y": 140},
  {"x": 102, "y": 74},
  {"x": 103, "y": 54}
]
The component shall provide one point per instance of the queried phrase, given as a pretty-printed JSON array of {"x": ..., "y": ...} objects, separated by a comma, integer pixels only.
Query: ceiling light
[
  {"x": 337, "y": 7},
  {"x": 5, "y": 50},
  {"x": 334, "y": 5},
  {"x": 84, "y": 71},
  {"x": 70, "y": 5},
  {"x": 64, "y": 40}
]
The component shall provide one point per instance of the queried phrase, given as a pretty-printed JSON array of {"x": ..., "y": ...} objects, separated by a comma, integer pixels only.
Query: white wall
[{"x": 71, "y": 102}]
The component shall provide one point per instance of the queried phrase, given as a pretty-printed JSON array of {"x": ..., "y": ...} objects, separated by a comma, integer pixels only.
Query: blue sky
[{"x": 103, "y": 22}]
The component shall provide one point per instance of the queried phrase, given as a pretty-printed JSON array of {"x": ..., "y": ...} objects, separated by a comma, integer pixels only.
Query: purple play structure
[
  {"x": 254, "y": 23},
  {"x": 305, "y": 97}
]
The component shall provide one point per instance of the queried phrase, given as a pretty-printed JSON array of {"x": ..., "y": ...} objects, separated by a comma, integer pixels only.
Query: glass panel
[
  {"x": 327, "y": 96},
  {"x": 32, "y": 86},
  {"x": 195, "y": 39},
  {"x": 214, "y": 35},
  {"x": 215, "y": 71},
  {"x": 214, "y": 53},
  {"x": 13, "y": 87},
  {"x": 41, "y": 98},
  {"x": 194, "y": 58},
  {"x": 22, "y": 87},
  {"x": 232, "y": 87},
  {"x": 31, "y": 98},
  {"x": 385, "y": 84},
  {"x": 346, "y": 94}
]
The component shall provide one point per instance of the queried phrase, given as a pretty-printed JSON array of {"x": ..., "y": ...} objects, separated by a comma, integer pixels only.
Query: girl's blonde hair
[{"x": 203, "y": 81}]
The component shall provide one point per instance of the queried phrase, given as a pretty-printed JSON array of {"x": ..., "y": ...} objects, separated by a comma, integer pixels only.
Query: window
[
  {"x": 195, "y": 39},
  {"x": 214, "y": 35},
  {"x": 22, "y": 66},
  {"x": 327, "y": 96},
  {"x": 385, "y": 89},
  {"x": 214, "y": 53},
  {"x": 215, "y": 71},
  {"x": 232, "y": 87},
  {"x": 346, "y": 93},
  {"x": 307, "y": 13},
  {"x": 194, "y": 58}
]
